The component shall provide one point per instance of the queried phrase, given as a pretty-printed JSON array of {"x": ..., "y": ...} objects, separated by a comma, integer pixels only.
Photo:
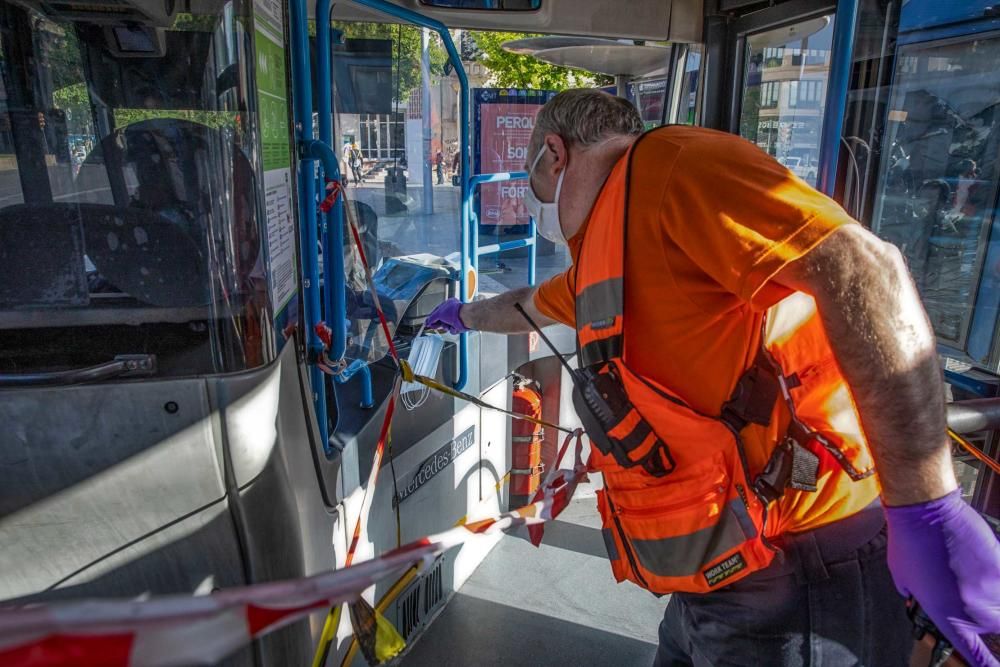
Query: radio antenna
[{"x": 545, "y": 338}]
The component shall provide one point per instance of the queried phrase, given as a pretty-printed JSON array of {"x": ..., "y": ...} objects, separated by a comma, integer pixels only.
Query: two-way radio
[{"x": 602, "y": 404}]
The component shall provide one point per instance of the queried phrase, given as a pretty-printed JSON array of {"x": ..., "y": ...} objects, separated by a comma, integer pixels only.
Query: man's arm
[
  {"x": 885, "y": 347},
  {"x": 499, "y": 315},
  {"x": 940, "y": 550}
]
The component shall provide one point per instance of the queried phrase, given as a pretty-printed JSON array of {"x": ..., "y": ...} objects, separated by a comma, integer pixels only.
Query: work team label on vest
[
  {"x": 272, "y": 105},
  {"x": 437, "y": 462},
  {"x": 727, "y": 568}
]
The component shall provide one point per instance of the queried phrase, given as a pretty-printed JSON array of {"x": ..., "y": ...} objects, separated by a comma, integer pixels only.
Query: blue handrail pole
[
  {"x": 359, "y": 367},
  {"x": 465, "y": 121},
  {"x": 333, "y": 246},
  {"x": 532, "y": 251},
  {"x": 475, "y": 182},
  {"x": 505, "y": 246},
  {"x": 335, "y": 292},
  {"x": 302, "y": 112},
  {"x": 841, "y": 59},
  {"x": 474, "y": 238},
  {"x": 324, "y": 97},
  {"x": 469, "y": 241},
  {"x": 333, "y": 253},
  {"x": 367, "y": 395},
  {"x": 498, "y": 177},
  {"x": 323, "y": 105}
]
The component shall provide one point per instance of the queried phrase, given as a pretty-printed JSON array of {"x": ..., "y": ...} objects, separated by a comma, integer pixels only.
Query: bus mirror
[
  {"x": 135, "y": 41},
  {"x": 151, "y": 13}
]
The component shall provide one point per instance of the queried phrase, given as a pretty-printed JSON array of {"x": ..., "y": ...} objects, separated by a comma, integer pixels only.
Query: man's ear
[{"x": 557, "y": 147}]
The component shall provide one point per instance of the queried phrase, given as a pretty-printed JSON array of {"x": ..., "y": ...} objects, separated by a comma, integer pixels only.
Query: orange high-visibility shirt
[{"x": 717, "y": 220}]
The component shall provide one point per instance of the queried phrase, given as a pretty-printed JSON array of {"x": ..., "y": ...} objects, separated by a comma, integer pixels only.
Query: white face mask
[
  {"x": 546, "y": 214},
  {"x": 425, "y": 355}
]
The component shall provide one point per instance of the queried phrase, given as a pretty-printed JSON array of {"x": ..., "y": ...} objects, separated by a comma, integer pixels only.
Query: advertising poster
[
  {"x": 272, "y": 103},
  {"x": 504, "y": 119}
]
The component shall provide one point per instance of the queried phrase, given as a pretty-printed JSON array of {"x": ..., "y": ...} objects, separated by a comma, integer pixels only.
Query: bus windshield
[{"x": 129, "y": 220}]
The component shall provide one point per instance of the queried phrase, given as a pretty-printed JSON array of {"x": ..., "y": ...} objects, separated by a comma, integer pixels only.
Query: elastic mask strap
[{"x": 538, "y": 157}]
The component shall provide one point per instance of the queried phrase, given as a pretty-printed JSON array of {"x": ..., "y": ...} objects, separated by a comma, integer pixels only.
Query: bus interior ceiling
[{"x": 649, "y": 20}]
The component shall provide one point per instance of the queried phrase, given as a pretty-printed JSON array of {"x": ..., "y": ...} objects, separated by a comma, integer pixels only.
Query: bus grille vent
[
  {"x": 433, "y": 589},
  {"x": 409, "y": 612},
  {"x": 416, "y": 605}
]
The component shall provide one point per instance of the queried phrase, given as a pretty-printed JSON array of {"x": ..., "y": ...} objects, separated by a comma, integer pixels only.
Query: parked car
[{"x": 804, "y": 168}]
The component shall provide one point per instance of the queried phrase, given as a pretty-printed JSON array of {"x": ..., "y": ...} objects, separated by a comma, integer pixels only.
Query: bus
[{"x": 194, "y": 369}]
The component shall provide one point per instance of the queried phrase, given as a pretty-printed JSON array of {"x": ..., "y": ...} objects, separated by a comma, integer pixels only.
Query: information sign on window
[{"x": 504, "y": 119}]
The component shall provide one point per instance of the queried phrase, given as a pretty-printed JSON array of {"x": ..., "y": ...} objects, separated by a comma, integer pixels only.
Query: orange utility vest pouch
[{"x": 681, "y": 509}]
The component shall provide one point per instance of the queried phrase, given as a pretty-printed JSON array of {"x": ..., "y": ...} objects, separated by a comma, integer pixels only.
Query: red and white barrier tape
[{"x": 184, "y": 630}]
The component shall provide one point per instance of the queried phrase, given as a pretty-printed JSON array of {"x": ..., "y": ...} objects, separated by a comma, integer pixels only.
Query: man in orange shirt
[{"x": 722, "y": 234}]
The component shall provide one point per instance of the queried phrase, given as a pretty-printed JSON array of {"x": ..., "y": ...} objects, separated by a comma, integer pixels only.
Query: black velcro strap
[
  {"x": 805, "y": 466},
  {"x": 659, "y": 462},
  {"x": 770, "y": 484},
  {"x": 601, "y": 351},
  {"x": 602, "y": 404},
  {"x": 638, "y": 435},
  {"x": 753, "y": 399},
  {"x": 790, "y": 465}
]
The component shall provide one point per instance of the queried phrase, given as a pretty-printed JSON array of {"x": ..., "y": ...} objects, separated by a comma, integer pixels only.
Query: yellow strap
[
  {"x": 383, "y": 604},
  {"x": 333, "y": 619},
  {"x": 388, "y": 642},
  {"x": 397, "y": 588},
  {"x": 410, "y": 376},
  {"x": 326, "y": 637}
]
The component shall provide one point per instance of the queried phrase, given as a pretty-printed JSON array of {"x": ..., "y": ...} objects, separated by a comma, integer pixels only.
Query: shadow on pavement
[
  {"x": 572, "y": 537},
  {"x": 477, "y": 632}
]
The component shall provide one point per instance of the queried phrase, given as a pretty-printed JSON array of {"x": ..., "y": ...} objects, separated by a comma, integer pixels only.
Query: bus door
[
  {"x": 937, "y": 186},
  {"x": 784, "y": 62}
]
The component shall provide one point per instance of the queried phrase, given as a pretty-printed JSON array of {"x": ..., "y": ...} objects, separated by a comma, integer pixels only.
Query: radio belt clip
[{"x": 790, "y": 465}]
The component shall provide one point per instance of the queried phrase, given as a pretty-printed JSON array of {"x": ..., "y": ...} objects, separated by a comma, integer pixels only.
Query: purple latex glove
[
  {"x": 446, "y": 317},
  {"x": 945, "y": 555}
]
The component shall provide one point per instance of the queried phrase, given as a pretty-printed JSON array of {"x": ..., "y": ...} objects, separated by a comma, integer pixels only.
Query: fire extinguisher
[{"x": 526, "y": 443}]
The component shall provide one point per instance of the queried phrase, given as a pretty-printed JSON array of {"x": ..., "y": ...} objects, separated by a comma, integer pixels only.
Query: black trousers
[{"x": 828, "y": 600}]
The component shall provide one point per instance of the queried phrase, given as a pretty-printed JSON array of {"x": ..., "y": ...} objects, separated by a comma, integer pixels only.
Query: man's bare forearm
[
  {"x": 499, "y": 315},
  {"x": 885, "y": 347}
]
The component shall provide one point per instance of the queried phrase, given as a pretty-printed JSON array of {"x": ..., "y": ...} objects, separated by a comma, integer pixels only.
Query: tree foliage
[
  {"x": 750, "y": 116},
  {"x": 65, "y": 66},
  {"x": 511, "y": 70},
  {"x": 213, "y": 119},
  {"x": 75, "y": 101},
  {"x": 196, "y": 23}
]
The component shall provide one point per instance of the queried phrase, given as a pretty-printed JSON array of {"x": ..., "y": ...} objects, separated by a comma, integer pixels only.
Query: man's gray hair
[{"x": 583, "y": 117}]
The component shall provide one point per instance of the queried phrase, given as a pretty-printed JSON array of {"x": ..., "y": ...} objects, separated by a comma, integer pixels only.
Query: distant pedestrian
[
  {"x": 357, "y": 162},
  {"x": 439, "y": 167}
]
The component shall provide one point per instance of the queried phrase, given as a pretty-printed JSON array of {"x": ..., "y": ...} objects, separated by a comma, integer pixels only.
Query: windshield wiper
[{"x": 123, "y": 366}]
